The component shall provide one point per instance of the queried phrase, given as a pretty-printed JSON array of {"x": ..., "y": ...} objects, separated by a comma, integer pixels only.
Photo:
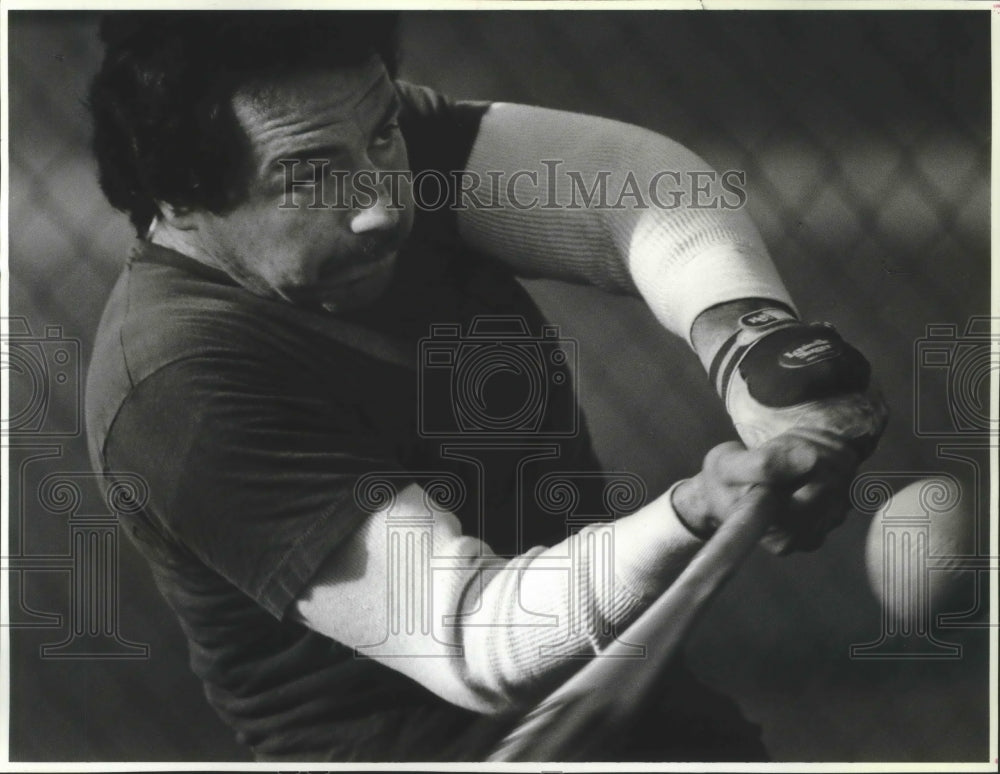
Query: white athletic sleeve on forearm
[
  {"x": 500, "y": 630},
  {"x": 681, "y": 260}
]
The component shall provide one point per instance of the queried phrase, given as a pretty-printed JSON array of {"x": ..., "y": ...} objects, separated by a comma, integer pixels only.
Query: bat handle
[{"x": 557, "y": 727}]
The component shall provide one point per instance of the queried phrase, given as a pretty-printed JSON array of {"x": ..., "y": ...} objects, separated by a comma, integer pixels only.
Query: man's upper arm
[
  {"x": 533, "y": 170},
  {"x": 378, "y": 593}
]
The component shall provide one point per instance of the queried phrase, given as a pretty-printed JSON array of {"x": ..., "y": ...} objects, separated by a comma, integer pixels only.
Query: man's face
[{"x": 336, "y": 257}]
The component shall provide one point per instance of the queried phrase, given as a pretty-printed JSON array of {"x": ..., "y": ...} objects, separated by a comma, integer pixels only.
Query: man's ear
[{"x": 178, "y": 217}]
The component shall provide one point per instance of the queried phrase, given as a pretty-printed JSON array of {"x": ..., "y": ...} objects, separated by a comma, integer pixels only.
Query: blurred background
[{"x": 865, "y": 141}]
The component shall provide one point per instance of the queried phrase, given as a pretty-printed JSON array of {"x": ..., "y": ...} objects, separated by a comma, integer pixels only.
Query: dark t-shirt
[{"x": 252, "y": 421}]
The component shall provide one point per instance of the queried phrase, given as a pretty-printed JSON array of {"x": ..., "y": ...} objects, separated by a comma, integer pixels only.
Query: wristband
[
  {"x": 702, "y": 533},
  {"x": 752, "y": 327}
]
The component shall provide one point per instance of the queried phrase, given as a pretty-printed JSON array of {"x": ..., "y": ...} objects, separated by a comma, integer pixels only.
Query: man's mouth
[
  {"x": 361, "y": 272},
  {"x": 356, "y": 282}
]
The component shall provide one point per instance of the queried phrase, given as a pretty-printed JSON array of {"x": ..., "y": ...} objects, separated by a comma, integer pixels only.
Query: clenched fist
[{"x": 814, "y": 467}]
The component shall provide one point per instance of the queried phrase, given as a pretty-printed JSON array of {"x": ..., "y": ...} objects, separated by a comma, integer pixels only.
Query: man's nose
[
  {"x": 376, "y": 218},
  {"x": 381, "y": 216}
]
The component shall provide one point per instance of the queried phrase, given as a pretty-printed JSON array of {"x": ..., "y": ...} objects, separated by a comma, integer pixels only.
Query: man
[{"x": 258, "y": 364}]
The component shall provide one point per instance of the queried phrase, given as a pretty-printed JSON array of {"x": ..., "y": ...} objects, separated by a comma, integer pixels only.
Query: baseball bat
[{"x": 602, "y": 698}]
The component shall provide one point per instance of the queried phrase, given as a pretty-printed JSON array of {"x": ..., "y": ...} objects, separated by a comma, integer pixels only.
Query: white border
[
  {"x": 496, "y": 5},
  {"x": 4, "y": 397},
  {"x": 515, "y": 5}
]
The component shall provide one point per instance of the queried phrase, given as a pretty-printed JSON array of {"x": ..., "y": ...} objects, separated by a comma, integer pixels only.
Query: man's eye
[{"x": 386, "y": 134}]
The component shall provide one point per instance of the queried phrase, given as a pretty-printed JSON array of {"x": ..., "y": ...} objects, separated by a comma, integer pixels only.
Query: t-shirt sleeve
[
  {"x": 439, "y": 133},
  {"x": 251, "y": 472}
]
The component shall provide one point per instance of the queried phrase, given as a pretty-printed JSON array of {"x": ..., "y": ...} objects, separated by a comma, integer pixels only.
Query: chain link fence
[{"x": 864, "y": 137}]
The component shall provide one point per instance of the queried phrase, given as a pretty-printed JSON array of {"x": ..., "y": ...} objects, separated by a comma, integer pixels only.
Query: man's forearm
[
  {"x": 681, "y": 255},
  {"x": 501, "y": 630},
  {"x": 589, "y": 587}
]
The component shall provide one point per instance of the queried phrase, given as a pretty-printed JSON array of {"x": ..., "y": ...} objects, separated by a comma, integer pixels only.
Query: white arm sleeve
[
  {"x": 682, "y": 259},
  {"x": 485, "y": 632}
]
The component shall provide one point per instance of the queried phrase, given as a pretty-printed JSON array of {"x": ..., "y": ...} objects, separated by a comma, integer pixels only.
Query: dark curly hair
[{"x": 164, "y": 127}]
